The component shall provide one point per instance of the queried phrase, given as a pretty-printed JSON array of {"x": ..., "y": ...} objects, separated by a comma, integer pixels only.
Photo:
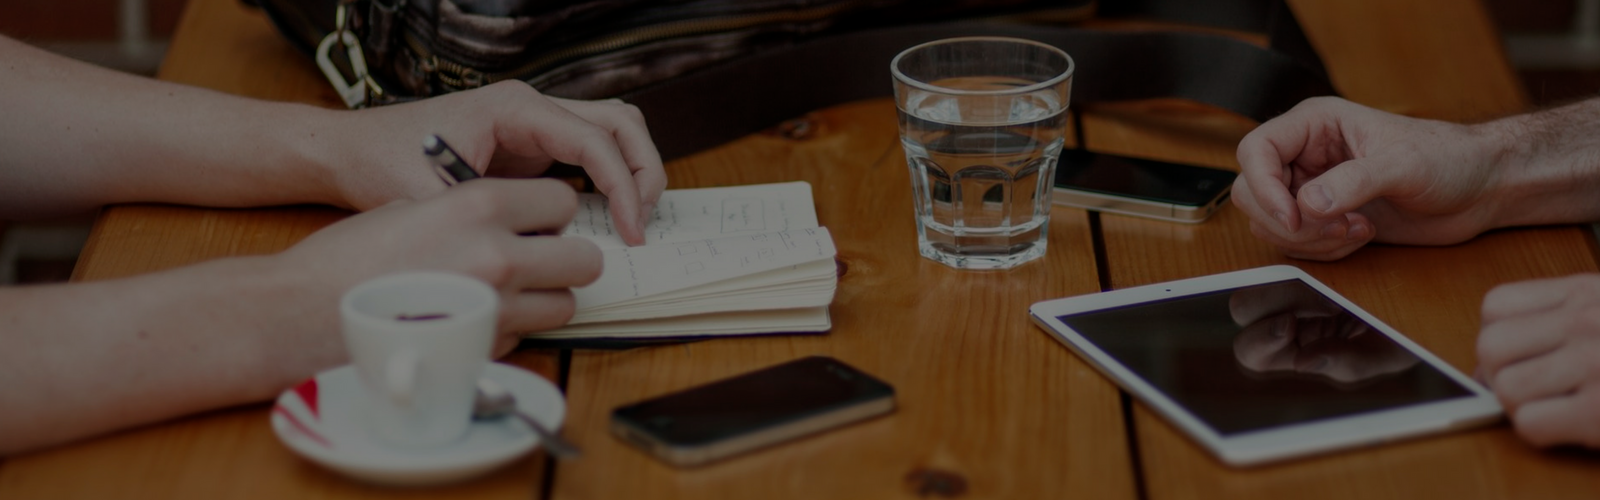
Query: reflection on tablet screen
[{"x": 1263, "y": 356}]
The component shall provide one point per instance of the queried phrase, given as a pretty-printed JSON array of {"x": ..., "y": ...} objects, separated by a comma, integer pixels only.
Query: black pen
[
  {"x": 449, "y": 166},
  {"x": 446, "y": 162}
]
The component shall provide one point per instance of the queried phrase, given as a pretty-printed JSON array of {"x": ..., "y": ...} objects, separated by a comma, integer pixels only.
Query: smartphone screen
[
  {"x": 1149, "y": 180},
  {"x": 789, "y": 393}
]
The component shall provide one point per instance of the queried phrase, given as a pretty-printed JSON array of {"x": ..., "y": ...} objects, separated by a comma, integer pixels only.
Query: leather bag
[{"x": 727, "y": 68}]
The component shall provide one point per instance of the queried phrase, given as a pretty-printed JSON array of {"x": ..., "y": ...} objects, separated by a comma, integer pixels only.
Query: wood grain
[
  {"x": 230, "y": 454},
  {"x": 985, "y": 397},
  {"x": 1437, "y": 59},
  {"x": 1426, "y": 58},
  {"x": 233, "y": 48},
  {"x": 983, "y": 394}
]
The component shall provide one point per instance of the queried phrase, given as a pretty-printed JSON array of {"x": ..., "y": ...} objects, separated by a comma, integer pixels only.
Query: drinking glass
[{"x": 982, "y": 120}]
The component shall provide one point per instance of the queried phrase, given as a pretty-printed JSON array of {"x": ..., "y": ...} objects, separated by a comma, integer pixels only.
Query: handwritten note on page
[
  {"x": 696, "y": 214},
  {"x": 653, "y": 269}
]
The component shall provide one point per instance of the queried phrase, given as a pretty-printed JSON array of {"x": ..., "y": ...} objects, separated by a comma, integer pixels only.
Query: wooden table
[{"x": 990, "y": 407}]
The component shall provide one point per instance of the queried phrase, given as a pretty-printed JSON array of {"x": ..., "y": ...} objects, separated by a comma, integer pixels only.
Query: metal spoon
[{"x": 494, "y": 401}]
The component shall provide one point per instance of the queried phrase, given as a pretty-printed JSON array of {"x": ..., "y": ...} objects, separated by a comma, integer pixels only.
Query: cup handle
[{"x": 401, "y": 374}]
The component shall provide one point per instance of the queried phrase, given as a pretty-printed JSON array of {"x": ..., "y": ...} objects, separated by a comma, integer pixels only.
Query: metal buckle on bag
[{"x": 359, "y": 93}]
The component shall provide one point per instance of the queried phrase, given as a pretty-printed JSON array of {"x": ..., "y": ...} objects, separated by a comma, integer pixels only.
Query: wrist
[
  {"x": 1545, "y": 167},
  {"x": 294, "y": 319},
  {"x": 275, "y": 326},
  {"x": 1500, "y": 145},
  {"x": 309, "y": 139}
]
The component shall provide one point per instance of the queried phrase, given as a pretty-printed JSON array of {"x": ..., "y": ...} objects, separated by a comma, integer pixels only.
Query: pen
[
  {"x": 449, "y": 166},
  {"x": 446, "y": 162}
]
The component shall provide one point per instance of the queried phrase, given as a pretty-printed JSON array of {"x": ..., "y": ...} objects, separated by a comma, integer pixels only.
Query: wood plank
[
  {"x": 1439, "y": 59},
  {"x": 233, "y": 48},
  {"x": 983, "y": 394},
  {"x": 1426, "y": 58},
  {"x": 229, "y": 453}
]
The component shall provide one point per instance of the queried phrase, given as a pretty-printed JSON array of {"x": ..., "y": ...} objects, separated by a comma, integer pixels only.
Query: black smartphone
[
  {"x": 724, "y": 418},
  {"x": 1145, "y": 188}
]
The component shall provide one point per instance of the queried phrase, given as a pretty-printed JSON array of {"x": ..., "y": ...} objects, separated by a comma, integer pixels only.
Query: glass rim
[{"x": 894, "y": 66}]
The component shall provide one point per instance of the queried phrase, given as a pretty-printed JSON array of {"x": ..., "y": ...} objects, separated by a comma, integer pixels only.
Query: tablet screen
[{"x": 1263, "y": 356}]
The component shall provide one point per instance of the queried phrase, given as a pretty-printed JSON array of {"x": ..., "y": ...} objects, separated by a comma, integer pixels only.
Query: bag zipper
[{"x": 461, "y": 76}]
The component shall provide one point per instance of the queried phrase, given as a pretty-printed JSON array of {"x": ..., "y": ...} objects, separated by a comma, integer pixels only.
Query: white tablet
[{"x": 1265, "y": 364}]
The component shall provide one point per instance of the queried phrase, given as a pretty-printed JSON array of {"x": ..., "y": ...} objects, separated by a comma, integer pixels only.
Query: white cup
[{"x": 420, "y": 341}]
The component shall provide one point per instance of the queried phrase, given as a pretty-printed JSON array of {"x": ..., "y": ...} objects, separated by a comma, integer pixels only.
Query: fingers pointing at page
[
  {"x": 627, "y": 126},
  {"x": 549, "y": 129},
  {"x": 506, "y": 129}
]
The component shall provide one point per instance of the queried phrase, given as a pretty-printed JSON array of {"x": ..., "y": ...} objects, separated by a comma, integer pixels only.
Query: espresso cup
[{"x": 420, "y": 341}]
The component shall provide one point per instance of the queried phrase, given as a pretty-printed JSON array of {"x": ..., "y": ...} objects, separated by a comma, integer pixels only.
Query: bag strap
[{"x": 706, "y": 108}]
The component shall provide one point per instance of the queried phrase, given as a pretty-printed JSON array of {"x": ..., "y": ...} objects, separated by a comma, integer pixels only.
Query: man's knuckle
[
  {"x": 1568, "y": 322},
  {"x": 1490, "y": 345},
  {"x": 1486, "y": 354},
  {"x": 558, "y": 197},
  {"x": 1316, "y": 101},
  {"x": 513, "y": 88},
  {"x": 1495, "y": 297},
  {"x": 496, "y": 268},
  {"x": 631, "y": 112},
  {"x": 1509, "y": 382},
  {"x": 1589, "y": 404},
  {"x": 595, "y": 138},
  {"x": 1535, "y": 432},
  {"x": 563, "y": 306},
  {"x": 1585, "y": 290},
  {"x": 475, "y": 204},
  {"x": 1585, "y": 322}
]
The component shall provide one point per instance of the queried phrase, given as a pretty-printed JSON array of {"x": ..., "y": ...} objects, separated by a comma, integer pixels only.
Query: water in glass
[{"x": 981, "y": 168}]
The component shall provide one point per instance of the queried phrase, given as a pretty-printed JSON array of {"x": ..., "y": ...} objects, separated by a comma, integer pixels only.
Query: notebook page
[
  {"x": 632, "y": 272},
  {"x": 805, "y": 285},
  {"x": 695, "y": 214},
  {"x": 803, "y": 320}
]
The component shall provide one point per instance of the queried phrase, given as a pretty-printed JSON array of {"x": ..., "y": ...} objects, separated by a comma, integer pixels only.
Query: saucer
[{"x": 320, "y": 419}]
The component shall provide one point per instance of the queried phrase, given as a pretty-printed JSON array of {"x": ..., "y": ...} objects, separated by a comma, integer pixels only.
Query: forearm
[
  {"x": 1548, "y": 165},
  {"x": 84, "y": 359},
  {"x": 77, "y": 136}
]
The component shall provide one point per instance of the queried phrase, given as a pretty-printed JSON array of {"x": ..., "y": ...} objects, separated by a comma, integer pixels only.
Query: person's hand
[
  {"x": 471, "y": 229},
  {"x": 1330, "y": 176},
  {"x": 1289, "y": 328},
  {"x": 1540, "y": 352},
  {"x": 506, "y": 130}
]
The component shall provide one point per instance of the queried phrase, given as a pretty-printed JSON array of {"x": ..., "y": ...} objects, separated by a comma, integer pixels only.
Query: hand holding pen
[
  {"x": 524, "y": 132},
  {"x": 446, "y": 162},
  {"x": 453, "y": 170}
]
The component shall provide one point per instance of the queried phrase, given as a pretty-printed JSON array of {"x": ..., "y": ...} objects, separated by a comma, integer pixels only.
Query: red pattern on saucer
[{"x": 304, "y": 415}]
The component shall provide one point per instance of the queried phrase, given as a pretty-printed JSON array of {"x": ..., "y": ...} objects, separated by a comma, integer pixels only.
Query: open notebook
[{"x": 716, "y": 261}]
